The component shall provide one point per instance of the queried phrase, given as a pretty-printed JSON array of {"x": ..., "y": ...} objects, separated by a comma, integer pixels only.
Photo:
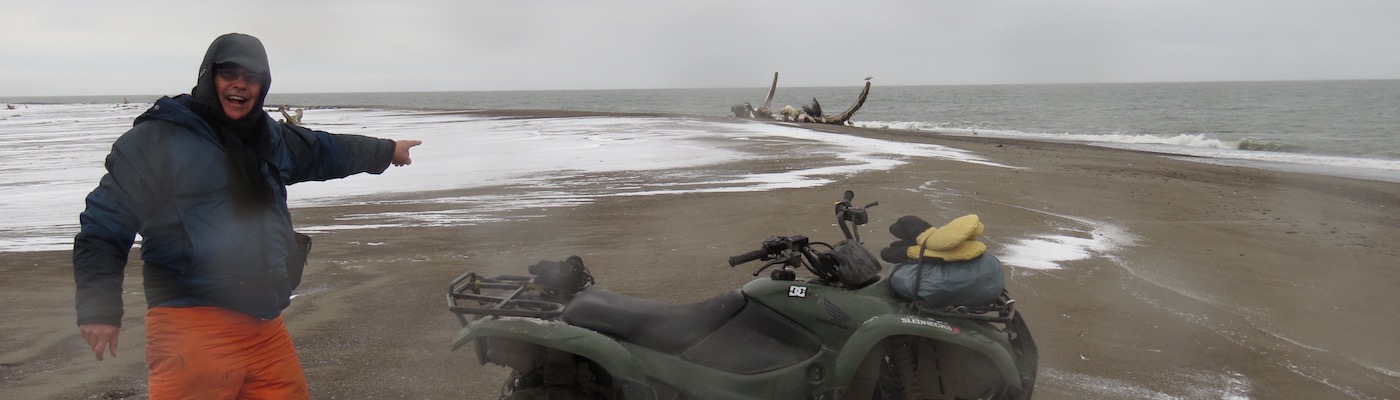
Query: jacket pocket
[{"x": 296, "y": 258}]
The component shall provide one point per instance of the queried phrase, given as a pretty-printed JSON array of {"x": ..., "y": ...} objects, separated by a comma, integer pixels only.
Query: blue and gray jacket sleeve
[
  {"x": 109, "y": 226},
  {"x": 318, "y": 156}
]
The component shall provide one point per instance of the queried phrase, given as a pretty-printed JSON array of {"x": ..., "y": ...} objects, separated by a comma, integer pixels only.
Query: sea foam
[{"x": 1200, "y": 147}]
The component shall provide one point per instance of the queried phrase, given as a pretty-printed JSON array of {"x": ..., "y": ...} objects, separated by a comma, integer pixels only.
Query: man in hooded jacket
[{"x": 202, "y": 178}]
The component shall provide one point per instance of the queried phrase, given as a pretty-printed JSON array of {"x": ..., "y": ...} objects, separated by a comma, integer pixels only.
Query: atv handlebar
[
  {"x": 856, "y": 215},
  {"x": 773, "y": 248},
  {"x": 793, "y": 252},
  {"x": 790, "y": 252},
  {"x": 746, "y": 257}
]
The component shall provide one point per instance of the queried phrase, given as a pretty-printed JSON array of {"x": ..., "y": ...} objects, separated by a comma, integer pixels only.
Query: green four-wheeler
[{"x": 841, "y": 333}]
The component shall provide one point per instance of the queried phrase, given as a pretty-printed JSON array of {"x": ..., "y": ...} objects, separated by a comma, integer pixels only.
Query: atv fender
[
  {"x": 558, "y": 335},
  {"x": 876, "y": 329}
]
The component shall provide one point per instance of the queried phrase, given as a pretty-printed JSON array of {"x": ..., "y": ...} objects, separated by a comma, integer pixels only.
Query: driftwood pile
[{"x": 808, "y": 113}]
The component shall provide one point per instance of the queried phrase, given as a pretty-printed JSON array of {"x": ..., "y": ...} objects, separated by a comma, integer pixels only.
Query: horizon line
[{"x": 12, "y": 97}]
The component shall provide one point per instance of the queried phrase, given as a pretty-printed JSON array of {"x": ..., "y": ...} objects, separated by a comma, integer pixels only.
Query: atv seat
[{"x": 663, "y": 327}]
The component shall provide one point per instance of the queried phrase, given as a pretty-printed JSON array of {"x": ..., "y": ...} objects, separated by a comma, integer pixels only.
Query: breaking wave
[{"x": 1253, "y": 143}]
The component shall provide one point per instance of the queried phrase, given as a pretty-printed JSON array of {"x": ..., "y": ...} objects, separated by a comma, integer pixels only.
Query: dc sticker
[{"x": 797, "y": 291}]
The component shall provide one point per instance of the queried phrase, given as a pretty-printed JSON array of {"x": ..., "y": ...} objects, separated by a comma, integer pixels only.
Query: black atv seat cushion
[{"x": 662, "y": 327}]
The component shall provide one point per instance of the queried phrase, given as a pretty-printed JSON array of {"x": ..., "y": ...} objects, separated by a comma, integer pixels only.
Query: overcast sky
[{"x": 154, "y": 47}]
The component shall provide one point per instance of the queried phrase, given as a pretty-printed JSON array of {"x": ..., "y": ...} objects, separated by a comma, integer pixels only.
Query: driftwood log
[
  {"x": 808, "y": 113},
  {"x": 766, "y": 111},
  {"x": 290, "y": 119},
  {"x": 840, "y": 119}
]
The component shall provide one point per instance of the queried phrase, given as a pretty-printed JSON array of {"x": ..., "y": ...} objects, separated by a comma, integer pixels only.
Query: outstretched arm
[{"x": 319, "y": 155}]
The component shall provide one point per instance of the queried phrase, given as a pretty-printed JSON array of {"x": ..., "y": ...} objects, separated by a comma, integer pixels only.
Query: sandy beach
[{"x": 1224, "y": 282}]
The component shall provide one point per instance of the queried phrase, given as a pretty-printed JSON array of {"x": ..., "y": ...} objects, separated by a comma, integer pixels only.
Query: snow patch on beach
[
  {"x": 866, "y": 146},
  {"x": 1049, "y": 251},
  {"x": 464, "y": 210},
  {"x": 467, "y": 151},
  {"x": 1190, "y": 385},
  {"x": 51, "y": 156},
  {"x": 1393, "y": 373}
]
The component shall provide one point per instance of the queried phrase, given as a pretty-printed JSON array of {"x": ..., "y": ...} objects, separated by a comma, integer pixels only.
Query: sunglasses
[{"x": 248, "y": 76}]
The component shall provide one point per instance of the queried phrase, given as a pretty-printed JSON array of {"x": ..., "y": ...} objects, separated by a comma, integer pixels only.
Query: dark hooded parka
[{"x": 207, "y": 194}]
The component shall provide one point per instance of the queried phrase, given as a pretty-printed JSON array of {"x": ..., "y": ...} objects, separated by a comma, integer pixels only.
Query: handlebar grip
[{"x": 746, "y": 257}]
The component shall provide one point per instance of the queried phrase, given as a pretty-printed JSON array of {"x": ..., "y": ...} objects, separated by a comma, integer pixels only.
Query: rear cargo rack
[
  {"x": 1001, "y": 310},
  {"x": 502, "y": 295}
]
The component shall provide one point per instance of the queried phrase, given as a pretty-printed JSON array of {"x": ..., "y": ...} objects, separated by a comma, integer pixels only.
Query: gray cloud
[{"x": 78, "y": 48}]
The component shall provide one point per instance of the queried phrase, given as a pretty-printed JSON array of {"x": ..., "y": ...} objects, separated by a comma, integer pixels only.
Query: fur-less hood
[
  {"x": 233, "y": 48},
  {"x": 246, "y": 138}
]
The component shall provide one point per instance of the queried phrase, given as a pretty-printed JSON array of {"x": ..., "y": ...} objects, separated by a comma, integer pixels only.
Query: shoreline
[
  {"x": 1382, "y": 170},
  {"x": 1337, "y": 171},
  {"x": 1369, "y": 168},
  {"x": 1240, "y": 282}
]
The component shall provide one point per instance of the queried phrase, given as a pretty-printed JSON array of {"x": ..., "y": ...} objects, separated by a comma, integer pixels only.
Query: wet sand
[{"x": 1235, "y": 282}]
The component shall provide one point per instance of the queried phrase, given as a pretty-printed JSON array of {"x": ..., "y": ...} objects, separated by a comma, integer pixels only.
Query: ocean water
[
  {"x": 1354, "y": 119},
  {"x": 1346, "y": 128},
  {"x": 1359, "y": 119}
]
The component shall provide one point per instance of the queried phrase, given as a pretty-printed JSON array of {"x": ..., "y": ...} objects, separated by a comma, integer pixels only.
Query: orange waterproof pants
[{"x": 214, "y": 353}]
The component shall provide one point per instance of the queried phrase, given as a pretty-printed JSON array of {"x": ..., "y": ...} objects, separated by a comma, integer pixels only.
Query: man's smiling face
[{"x": 239, "y": 90}]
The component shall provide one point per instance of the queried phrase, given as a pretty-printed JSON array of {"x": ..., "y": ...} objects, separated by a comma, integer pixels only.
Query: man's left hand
[{"x": 401, "y": 147}]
